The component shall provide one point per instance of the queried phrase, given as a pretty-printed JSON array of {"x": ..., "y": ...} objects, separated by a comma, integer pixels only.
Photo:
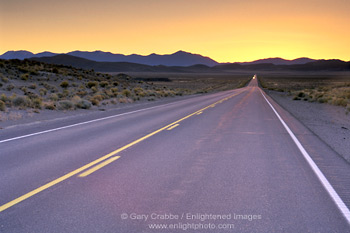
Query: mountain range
[
  {"x": 68, "y": 60},
  {"x": 179, "y": 58},
  {"x": 280, "y": 61},
  {"x": 177, "y": 62}
]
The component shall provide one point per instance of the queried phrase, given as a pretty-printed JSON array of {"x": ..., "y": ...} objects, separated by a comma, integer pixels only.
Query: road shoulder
[{"x": 330, "y": 123}]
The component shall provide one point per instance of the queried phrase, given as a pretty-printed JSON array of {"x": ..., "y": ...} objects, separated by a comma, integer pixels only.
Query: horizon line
[{"x": 145, "y": 55}]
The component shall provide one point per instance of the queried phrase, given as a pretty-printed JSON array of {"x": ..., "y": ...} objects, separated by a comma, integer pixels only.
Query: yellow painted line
[
  {"x": 171, "y": 127},
  {"x": 91, "y": 164},
  {"x": 199, "y": 113},
  {"x": 101, "y": 165}
]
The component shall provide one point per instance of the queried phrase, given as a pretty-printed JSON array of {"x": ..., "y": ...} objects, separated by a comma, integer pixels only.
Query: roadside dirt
[{"x": 330, "y": 123}]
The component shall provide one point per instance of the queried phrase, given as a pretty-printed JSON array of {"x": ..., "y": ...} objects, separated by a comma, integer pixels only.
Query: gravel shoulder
[{"x": 330, "y": 123}]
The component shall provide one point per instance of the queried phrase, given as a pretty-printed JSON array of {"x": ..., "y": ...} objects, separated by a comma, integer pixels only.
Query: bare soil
[{"x": 330, "y": 123}]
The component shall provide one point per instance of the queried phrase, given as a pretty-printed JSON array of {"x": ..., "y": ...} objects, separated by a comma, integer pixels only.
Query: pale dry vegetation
[
  {"x": 331, "y": 89},
  {"x": 31, "y": 85}
]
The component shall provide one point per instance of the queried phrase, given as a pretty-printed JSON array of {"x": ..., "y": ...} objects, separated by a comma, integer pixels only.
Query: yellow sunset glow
[{"x": 225, "y": 30}]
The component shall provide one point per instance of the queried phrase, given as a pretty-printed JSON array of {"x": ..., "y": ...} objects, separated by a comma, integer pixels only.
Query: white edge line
[
  {"x": 334, "y": 195},
  {"x": 83, "y": 123}
]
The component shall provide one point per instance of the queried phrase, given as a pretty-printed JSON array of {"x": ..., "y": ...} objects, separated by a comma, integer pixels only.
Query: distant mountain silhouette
[
  {"x": 23, "y": 54},
  {"x": 68, "y": 60},
  {"x": 280, "y": 61},
  {"x": 179, "y": 58},
  {"x": 318, "y": 65},
  {"x": 178, "y": 62},
  {"x": 333, "y": 65},
  {"x": 77, "y": 62}
]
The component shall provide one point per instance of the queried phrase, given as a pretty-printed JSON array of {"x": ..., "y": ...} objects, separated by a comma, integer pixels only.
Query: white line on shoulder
[{"x": 334, "y": 195}]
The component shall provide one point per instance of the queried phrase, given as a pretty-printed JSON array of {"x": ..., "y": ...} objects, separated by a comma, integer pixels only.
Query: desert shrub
[
  {"x": 37, "y": 103},
  {"x": 50, "y": 87},
  {"x": 301, "y": 94},
  {"x": 83, "y": 104},
  {"x": 81, "y": 93},
  {"x": 95, "y": 100},
  {"x": 82, "y": 87},
  {"x": 179, "y": 93},
  {"x": 25, "y": 77},
  {"x": 55, "y": 70},
  {"x": 42, "y": 91},
  {"x": 32, "y": 86},
  {"x": 98, "y": 97},
  {"x": 76, "y": 99},
  {"x": 65, "y": 105},
  {"x": 3, "y": 98},
  {"x": 54, "y": 97},
  {"x": 65, "y": 93},
  {"x": 339, "y": 102},
  {"x": 126, "y": 93},
  {"x": 115, "y": 83},
  {"x": 152, "y": 93},
  {"x": 31, "y": 95},
  {"x": 2, "y": 106},
  {"x": 21, "y": 101},
  {"x": 64, "y": 84},
  {"x": 94, "y": 89},
  {"x": 34, "y": 72},
  {"x": 4, "y": 79},
  {"x": 24, "y": 89},
  {"x": 103, "y": 84},
  {"x": 114, "y": 90},
  {"x": 139, "y": 92},
  {"x": 347, "y": 95},
  {"x": 49, "y": 106},
  {"x": 91, "y": 84},
  {"x": 10, "y": 87},
  {"x": 322, "y": 100}
]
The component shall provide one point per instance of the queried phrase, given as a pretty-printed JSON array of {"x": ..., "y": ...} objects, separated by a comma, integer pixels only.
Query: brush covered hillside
[{"x": 37, "y": 86}]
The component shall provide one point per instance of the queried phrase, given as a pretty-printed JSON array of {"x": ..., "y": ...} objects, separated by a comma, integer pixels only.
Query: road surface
[{"x": 222, "y": 162}]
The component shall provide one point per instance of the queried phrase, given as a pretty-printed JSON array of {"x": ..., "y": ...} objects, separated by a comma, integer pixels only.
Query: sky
[{"x": 225, "y": 30}]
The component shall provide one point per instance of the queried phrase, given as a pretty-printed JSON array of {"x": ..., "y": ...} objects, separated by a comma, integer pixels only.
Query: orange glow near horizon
[{"x": 226, "y": 30}]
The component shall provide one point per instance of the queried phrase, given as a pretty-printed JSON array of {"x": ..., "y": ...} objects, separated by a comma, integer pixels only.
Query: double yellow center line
[{"x": 104, "y": 160}]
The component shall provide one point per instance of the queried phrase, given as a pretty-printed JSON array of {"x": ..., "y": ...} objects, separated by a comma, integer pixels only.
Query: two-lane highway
[{"x": 214, "y": 163}]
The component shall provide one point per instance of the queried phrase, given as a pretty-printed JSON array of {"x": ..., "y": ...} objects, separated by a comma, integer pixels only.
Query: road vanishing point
[{"x": 232, "y": 161}]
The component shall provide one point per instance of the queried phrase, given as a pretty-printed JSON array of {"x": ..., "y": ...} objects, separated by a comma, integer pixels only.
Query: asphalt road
[{"x": 214, "y": 163}]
